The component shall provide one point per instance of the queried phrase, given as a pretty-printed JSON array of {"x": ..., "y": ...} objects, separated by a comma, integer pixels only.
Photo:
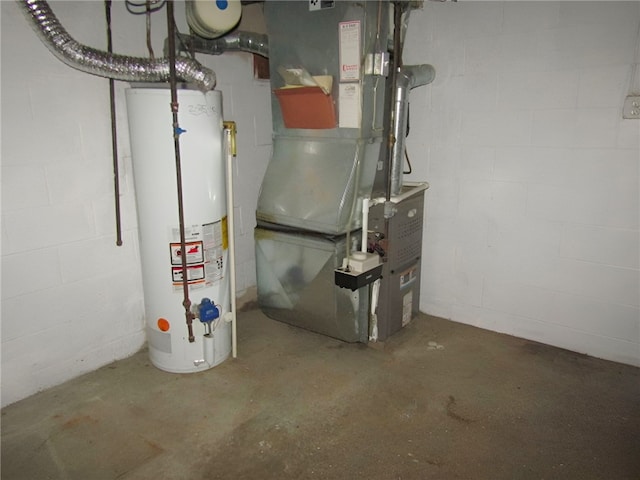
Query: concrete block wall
[
  {"x": 72, "y": 300},
  {"x": 533, "y": 211}
]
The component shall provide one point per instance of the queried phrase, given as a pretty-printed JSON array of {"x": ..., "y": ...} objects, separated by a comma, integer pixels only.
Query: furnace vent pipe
[
  {"x": 408, "y": 77},
  {"x": 251, "y": 42},
  {"x": 104, "y": 64}
]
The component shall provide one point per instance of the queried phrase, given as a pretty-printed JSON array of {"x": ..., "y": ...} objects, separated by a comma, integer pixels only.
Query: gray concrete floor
[{"x": 295, "y": 405}]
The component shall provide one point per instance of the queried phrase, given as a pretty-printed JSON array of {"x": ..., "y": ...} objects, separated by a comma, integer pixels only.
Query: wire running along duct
[{"x": 104, "y": 64}]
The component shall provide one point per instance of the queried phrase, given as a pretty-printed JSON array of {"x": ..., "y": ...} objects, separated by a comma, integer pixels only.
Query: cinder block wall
[
  {"x": 72, "y": 300},
  {"x": 532, "y": 215}
]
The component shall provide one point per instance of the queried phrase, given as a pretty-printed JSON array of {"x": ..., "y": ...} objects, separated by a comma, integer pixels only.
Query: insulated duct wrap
[{"x": 103, "y": 64}]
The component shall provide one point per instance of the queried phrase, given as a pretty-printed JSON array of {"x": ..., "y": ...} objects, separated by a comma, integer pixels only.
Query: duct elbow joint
[{"x": 411, "y": 76}]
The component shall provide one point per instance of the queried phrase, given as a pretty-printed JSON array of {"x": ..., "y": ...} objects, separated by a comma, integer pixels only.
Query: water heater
[{"x": 205, "y": 221}]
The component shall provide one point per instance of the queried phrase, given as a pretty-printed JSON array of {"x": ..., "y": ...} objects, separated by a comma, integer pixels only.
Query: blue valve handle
[{"x": 208, "y": 311}]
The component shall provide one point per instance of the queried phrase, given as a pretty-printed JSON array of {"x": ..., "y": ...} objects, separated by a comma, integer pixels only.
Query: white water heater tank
[{"x": 203, "y": 180}]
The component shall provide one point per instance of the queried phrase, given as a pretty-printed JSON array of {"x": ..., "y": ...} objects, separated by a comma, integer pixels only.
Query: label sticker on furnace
[
  {"x": 349, "y": 51},
  {"x": 349, "y": 101}
]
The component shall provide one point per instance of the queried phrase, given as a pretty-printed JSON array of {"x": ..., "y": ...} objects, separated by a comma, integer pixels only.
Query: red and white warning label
[
  {"x": 204, "y": 253},
  {"x": 349, "y": 41},
  {"x": 195, "y": 253},
  {"x": 195, "y": 273}
]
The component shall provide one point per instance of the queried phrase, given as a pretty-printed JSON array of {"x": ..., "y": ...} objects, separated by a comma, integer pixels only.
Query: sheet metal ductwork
[
  {"x": 310, "y": 211},
  {"x": 250, "y": 42},
  {"x": 103, "y": 64},
  {"x": 409, "y": 76}
]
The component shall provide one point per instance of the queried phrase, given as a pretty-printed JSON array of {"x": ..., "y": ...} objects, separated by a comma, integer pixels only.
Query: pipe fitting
[
  {"x": 411, "y": 76},
  {"x": 407, "y": 77},
  {"x": 250, "y": 42}
]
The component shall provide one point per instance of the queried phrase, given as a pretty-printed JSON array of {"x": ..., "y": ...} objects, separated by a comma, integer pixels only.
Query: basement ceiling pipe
[
  {"x": 251, "y": 42},
  {"x": 104, "y": 64}
]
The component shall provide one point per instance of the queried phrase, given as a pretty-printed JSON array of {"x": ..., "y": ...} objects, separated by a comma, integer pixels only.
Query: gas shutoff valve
[{"x": 207, "y": 311}]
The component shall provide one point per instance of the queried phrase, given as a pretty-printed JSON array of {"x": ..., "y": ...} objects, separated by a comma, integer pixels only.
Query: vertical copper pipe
[
  {"x": 176, "y": 143},
  {"x": 114, "y": 135}
]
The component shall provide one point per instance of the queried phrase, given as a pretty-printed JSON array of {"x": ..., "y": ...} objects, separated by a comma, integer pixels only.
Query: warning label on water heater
[
  {"x": 204, "y": 252},
  {"x": 195, "y": 253},
  {"x": 195, "y": 273}
]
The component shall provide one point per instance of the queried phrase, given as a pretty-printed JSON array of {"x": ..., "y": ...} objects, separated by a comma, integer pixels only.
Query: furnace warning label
[
  {"x": 349, "y": 51},
  {"x": 204, "y": 253},
  {"x": 408, "y": 277},
  {"x": 349, "y": 100},
  {"x": 407, "y": 302}
]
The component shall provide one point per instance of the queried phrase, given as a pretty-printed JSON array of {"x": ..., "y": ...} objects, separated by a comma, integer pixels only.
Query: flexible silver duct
[
  {"x": 251, "y": 42},
  {"x": 103, "y": 64},
  {"x": 408, "y": 77}
]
